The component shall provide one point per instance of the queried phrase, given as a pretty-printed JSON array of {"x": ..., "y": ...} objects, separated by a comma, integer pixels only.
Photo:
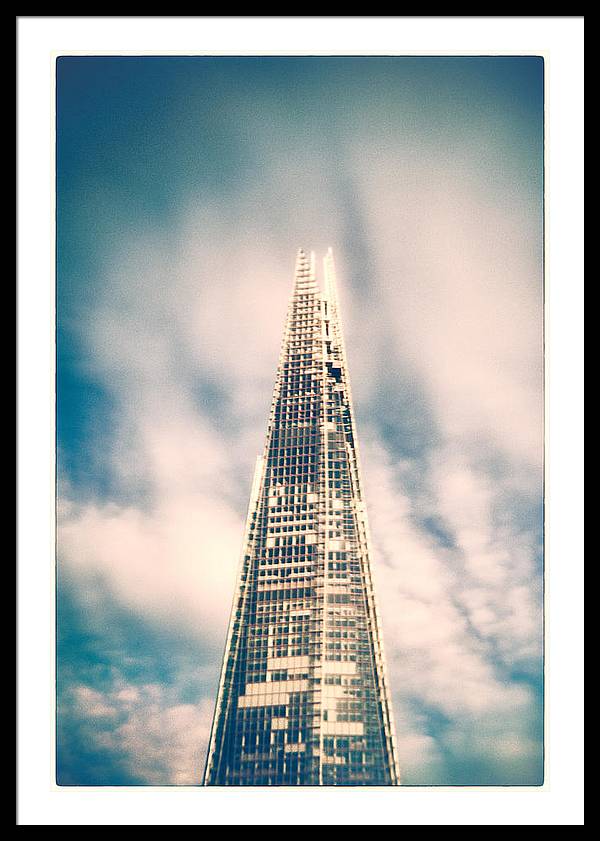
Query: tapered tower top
[
  {"x": 305, "y": 271},
  {"x": 301, "y": 259}
]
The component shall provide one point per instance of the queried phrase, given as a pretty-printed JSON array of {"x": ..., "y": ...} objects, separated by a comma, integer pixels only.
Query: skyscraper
[{"x": 303, "y": 697}]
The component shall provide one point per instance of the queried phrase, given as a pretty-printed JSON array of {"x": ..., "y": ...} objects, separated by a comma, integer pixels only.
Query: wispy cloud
[
  {"x": 462, "y": 619},
  {"x": 150, "y": 737}
]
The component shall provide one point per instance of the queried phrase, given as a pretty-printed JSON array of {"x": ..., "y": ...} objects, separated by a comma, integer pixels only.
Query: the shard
[{"x": 303, "y": 697}]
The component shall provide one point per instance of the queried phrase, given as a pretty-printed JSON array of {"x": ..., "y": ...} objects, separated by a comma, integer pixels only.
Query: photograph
[{"x": 300, "y": 420}]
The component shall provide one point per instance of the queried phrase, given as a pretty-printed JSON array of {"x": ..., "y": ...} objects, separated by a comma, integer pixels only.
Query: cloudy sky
[{"x": 184, "y": 188}]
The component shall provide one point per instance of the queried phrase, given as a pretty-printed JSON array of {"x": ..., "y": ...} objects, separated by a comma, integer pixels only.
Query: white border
[{"x": 560, "y": 40}]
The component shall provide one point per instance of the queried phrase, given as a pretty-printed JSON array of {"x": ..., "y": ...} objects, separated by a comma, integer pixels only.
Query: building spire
[
  {"x": 304, "y": 273},
  {"x": 329, "y": 275},
  {"x": 302, "y": 263}
]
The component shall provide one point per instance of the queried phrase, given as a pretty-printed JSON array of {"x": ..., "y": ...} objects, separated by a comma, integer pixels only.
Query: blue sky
[{"x": 184, "y": 188}]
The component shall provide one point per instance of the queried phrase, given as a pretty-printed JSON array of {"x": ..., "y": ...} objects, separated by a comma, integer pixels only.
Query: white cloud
[
  {"x": 455, "y": 618},
  {"x": 175, "y": 563},
  {"x": 157, "y": 740},
  {"x": 459, "y": 289},
  {"x": 92, "y": 703}
]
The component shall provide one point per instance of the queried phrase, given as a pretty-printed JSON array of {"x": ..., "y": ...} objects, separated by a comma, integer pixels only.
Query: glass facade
[{"x": 303, "y": 696}]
